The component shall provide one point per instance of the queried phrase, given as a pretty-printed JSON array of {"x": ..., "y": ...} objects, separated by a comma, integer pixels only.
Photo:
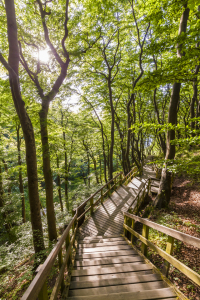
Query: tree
[{"x": 12, "y": 67}]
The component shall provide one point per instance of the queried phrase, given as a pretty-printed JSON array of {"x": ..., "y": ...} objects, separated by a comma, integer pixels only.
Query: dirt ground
[{"x": 183, "y": 214}]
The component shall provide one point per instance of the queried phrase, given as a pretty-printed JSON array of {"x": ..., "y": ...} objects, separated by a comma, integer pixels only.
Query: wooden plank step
[
  {"x": 100, "y": 240},
  {"x": 131, "y": 267},
  {"x": 109, "y": 276},
  {"x": 103, "y": 254},
  {"x": 154, "y": 189},
  {"x": 162, "y": 294},
  {"x": 108, "y": 261},
  {"x": 155, "y": 183},
  {"x": 100, "y": 237},
  {"x": 118, "y": 289},
  {"x": 139, "y": 261},
  {"x": 114, "y": 281},
  {"x": 94, "y": 245},
  {"x": 105, "y": 225},
  {"x": 105, "y": 248}
]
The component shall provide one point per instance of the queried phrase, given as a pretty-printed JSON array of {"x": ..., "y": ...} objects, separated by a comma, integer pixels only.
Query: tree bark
[
  {"x": 51, "y": 220},
  {"x": 112, "y": 128},
  {"x": 21, "y": 187},
  {"x": 164, "y": 191},
  {"x": 59, "y": 186},
  {"x": 12, "y": 67}
]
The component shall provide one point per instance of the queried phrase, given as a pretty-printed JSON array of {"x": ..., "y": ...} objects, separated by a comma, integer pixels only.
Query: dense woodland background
[{"x": 88, "y": 89}]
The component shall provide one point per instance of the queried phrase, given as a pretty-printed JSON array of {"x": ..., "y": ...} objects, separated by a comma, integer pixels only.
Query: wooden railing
[
  {"x": 38, "y": 287},
  {"x": 110, "y": 186},
  {"x": 167, "y": 255}
]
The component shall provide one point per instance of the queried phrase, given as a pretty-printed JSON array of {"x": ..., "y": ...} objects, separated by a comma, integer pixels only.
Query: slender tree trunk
[
  {"x": 100, "y": 169},
  {"x": 51, "y": 220},
  {"x": 162, "y": 141},
  {"x": 1, "y": 188},
  {"x": 66, "y": 183},
  {"x": 59, "y": 185},
  {"x": 194, "y": 100},
  {"x": 88, "y": 157},
  {"x": 12, "y": 67},
  {"x": 112, "y": 129},
  {"x": 164, "y": 191},
  {"x": 21, "y": 187},
  {"x": 6, "y": 169}
]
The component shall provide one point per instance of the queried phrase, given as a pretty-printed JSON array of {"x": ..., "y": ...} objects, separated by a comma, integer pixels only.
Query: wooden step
[
  {"x": 103, "y": 255},
  {"x": 154, "y": 189},
  {"x": 104, "y": 249},
  {"x": 131, "y": 267},
  {"x": 99, "y": 240},
  {"x": 108, "y": 277},
  {"x": 94, "y": 245},
  {"x": 114, "y": 281},
  {"x": 108, "y": 261},
  {"x": 162, "y": 294},
  {"x": 118, "y": 289}
]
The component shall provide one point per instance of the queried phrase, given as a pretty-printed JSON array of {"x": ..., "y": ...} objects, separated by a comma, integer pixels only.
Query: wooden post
[
  {"x": 115, "y": 183},
  {"x": 169, "y": 250},
  {"x": 120, "y": 178},
  {"x": 73, "y": 226},
  {"x": 108, "y": 189},
  {"x": 132, "y": 226},
  {"x": 101, "y": 196},
  {"x": 60, "y": 262},
  {"x": 125, "y": 221},
  {"x": 91, "y": 204},
  {"x": 43, "y": 294},
  {"x": 145, "y": 233},
  {"x": 67, "y": 243}
]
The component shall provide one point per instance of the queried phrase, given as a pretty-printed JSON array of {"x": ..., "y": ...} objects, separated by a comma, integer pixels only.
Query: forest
[{"x": 89, "y": 89}]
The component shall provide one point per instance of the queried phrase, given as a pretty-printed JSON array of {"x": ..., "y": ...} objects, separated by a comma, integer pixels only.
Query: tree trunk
[
  {"x": 88, "y": 157},
  {"x": 1, "y": 188},
  {"x": 21, "y": 187},
  {"x": 6, "y": 169},
  {"x": 59, "y": 185},
  {"x": 66, "y": 183},
  {"x": 26, "y": 127},
  {"x": 164, "y": 191},
  {"x": 112, "y": 129},
  {"x": 51, "y": 220}
]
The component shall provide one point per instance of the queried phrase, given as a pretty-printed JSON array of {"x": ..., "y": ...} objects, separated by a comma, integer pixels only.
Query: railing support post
[
  {"x": 73, "y": 213},
  {"x": 120, "y": 178},
  {"x": 91, "y": 204},
  {"x": 43, "y": 294},
  {"x": 169, "y": 250},
  {"x": 125, "y": 222},
  {"x": 108, "y": 189},
  {"x": 60, "y": 262},
  {"x": 101, "y": 196},
  {"x": 145, "y": 234},
  {"x": 67, "y": 245},
  {"x": 132, "y": 226}
]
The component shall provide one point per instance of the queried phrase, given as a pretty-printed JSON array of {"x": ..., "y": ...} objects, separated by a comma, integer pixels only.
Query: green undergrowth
[{"x": 16, "y": 246}]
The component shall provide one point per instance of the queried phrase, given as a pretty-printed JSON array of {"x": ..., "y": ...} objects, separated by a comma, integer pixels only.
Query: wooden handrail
[
  {"x": 39, "y": 280},
  {"x": 167, "y": 255},
  {"x": 99, "y": 190},
  {"x": 38, "y": 287},
  {"x": 186, "y": 238}
]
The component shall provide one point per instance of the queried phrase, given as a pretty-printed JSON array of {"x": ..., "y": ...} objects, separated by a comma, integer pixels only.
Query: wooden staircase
[{"x": 106, "y": 267}]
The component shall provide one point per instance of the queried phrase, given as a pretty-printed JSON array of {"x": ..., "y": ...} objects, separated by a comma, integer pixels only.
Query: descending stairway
[{"x": 106, "y": 267}]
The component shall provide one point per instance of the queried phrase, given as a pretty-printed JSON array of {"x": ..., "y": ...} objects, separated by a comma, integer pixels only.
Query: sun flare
[{"x": 44, "y": 55}]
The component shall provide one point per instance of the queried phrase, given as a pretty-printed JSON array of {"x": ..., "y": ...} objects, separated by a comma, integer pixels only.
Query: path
[{"x": 106, "y": 266}]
